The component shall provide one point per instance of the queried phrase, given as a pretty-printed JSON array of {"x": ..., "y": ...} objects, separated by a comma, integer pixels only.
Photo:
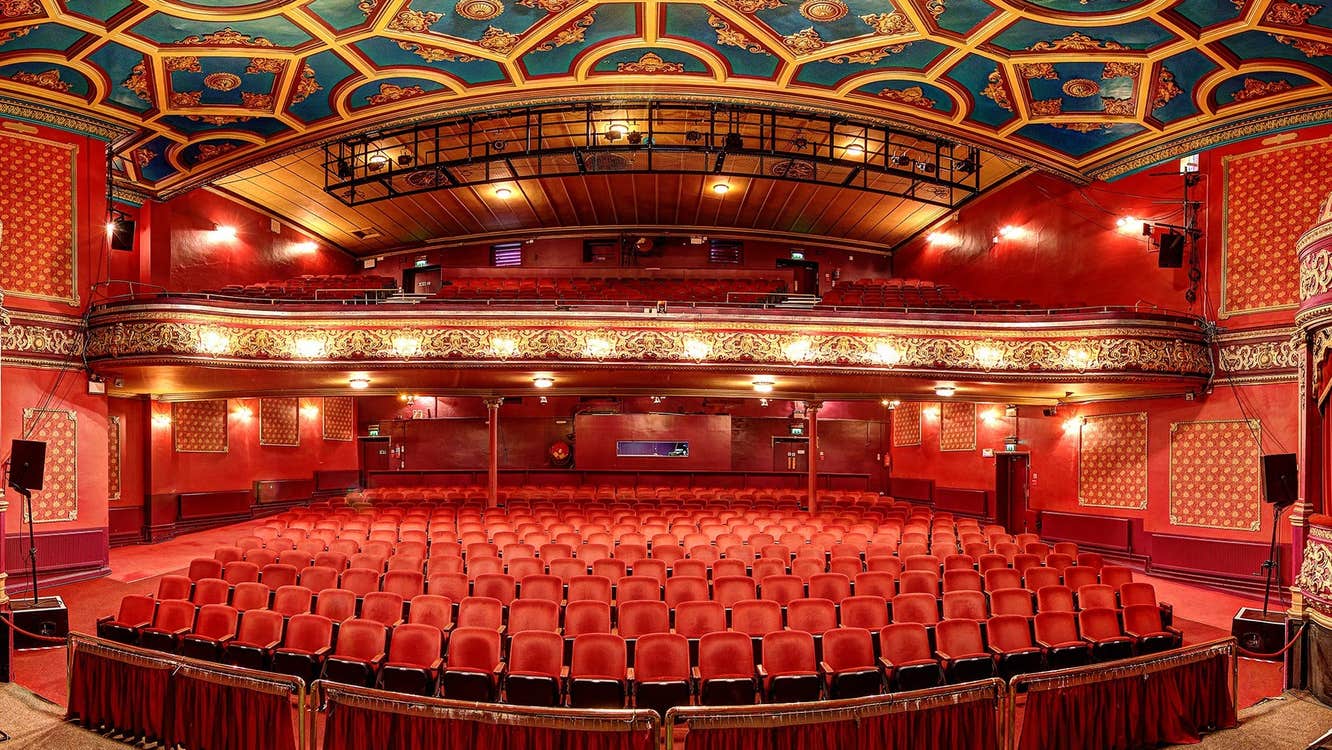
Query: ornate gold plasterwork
[
  {"x": 805, "y": 41},
  {"x": 1110, "y": 350},
  {"x": 1315, "y": 270},
  {"x": 649, "y": 64},
  {"x": 1259, "y": 355},
  {"x": 1315, "y": 578},
  {"x": 1257, "y": 89},
  {"x": 726, "y": 35}
]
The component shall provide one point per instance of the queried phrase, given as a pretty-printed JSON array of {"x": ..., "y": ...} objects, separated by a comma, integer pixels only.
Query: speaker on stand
[
  {"x": 46, "y": 617},
  {"x": 1261, "y": 631}
]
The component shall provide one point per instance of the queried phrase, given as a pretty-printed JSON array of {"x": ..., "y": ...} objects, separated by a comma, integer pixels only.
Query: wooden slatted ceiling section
[{"x": 292, "y": 188}]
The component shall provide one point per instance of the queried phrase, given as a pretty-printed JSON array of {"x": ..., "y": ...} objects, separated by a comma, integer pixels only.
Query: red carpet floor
[{"x": 1202, "y": 614}]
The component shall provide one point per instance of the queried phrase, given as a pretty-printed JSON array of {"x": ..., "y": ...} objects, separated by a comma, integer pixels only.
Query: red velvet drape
[
  {"x": 209, "y": 716},
  {"x": 967, "y": 725},
  {"x": 354, "y": 728},
  {"x": 1170, "y": 706},
  {"x": 129, "y": 697}
]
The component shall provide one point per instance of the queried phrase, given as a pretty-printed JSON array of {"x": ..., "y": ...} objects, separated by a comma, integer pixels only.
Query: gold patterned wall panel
[
  {"x": 1272, "y": 197},
  {"x": 113, "y": 457},
  {"x": 58, "y": 500},
  {"x": 37, "y": 257},
  {"x": 280, "y": 421},
  {"x": 906, "y": 424},
  {"x": 957, "y": 426},
  {"x": 1112, "y": 461},
  {"x": 199, "y": 426},
  {"x": 1215, "y": 476},
  {"x": 338, "y": 421}
]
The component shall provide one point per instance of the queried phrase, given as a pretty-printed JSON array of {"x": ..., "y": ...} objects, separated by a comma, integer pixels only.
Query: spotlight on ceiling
[
  {"x": 616, "y": 131},
  {"x": 763, "y": 385},
  {"x": 944, "y": 391},
  {"x": 763, "y": 402},
  {"x": 693, "y": 136},
  {"x": 499, "y": 145},
  {"x": 405, "y": 159},
  {"x": 544, "y": 400},
  {"x": 734, "y": 142},
  {"x": 344, "y": 169},
  {"x": 377, "y": 162},
  {"x": 656, "y": 399},
  {"x": 721, "y": 188},
  {"x": 358, "y": 382},
  {"x": 966, "y": 166},
  {"x": 543, "y": 381},
  {"x": 925, "y": 167},
  {"x": 901, "y": 160}
]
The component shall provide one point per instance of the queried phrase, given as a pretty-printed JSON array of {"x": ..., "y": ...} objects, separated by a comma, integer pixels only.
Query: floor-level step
[{"x": 799, "y": 301}]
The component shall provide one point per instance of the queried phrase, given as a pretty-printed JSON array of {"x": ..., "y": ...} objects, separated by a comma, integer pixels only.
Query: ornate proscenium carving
[
  {"x": 162, "y": 333},
  {"x": 1313, "y": 584}
]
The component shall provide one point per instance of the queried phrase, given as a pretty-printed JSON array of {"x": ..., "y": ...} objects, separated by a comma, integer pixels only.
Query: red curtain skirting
[
  {"x": 1172, "y": 706},
  {"x": 966, "y": 726},
  {"x": 209, "y": 716},
  {"x": 104, "y": 692},
  {"x": 355, "y": 728}
]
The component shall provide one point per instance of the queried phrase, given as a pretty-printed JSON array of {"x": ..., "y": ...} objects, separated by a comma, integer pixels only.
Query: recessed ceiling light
[
  {"x": 358, "y": 383},
  {"x": 503, "y": 193},
  {"x": 944, "y": 391},
  {"x": 543, "y": 381},
  {"x": 721, "y": 188},
  {"x": 763, "y": 385}
]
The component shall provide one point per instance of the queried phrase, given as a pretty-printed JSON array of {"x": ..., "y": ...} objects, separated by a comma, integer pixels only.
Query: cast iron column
[{"x": 492, "y": 418}]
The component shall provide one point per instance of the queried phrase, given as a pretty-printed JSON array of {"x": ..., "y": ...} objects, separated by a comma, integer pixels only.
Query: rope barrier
[
  {"x": 35, "y": 636},
  {"x": 1257, "y": 655}
]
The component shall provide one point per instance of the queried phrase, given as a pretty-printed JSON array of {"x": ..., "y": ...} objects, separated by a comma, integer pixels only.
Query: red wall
[
  {"x": 257, "y": 254},
  {"x": 245, "y": 460},
  {"x": 133, "y": 413},
  {"x": 709, "y": 438}
]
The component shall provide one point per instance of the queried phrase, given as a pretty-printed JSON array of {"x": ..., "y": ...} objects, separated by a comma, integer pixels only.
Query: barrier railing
[
  {"x": 363, "y": 718},
  {"x": 1171, "y": 697},
  {"x": 174, "y": 700},
  {"x": 958, "y": 716}
]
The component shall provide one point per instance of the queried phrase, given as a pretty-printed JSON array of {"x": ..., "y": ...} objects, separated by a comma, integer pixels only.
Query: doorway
[
  {"x": 805, "y": 275},
  {"x": 1012, "y": 473},
  {"x": 421, "y": 279},
  {"x": 790, "y": 454},
  {"x": 374, "y": 455}
]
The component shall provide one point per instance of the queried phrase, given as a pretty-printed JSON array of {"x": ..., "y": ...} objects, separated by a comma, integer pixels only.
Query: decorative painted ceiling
[{"x": 1096, "y": 87}]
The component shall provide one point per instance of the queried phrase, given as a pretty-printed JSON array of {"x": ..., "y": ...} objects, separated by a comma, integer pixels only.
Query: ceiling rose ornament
[
  {"x": 479, "y": 10},
  {"x": 1081, "y": 87},
  {"x": 823, "y": 11},
  {"x": 650, "y": 63},
  {"x": 795, "y": 169},
  {"x": 425, "y": 178},
  {"x": 222, "y": 81}
]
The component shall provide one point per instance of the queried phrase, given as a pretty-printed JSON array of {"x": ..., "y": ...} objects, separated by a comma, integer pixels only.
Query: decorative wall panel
[
  {"x": 279, "y": 421},
  {"x": 1112, "y": 464},
  {"x": 338, "y": 422},
  {"x": 37, "y": 245},
  {"x": 1215, "y": 474},
  {"x": 906, "y": 424},
  {"x": 199, "y": 426},
  {"x": 113, "y": 428},
  {"x": 957, "y": 426},
  {"x": 1272, "y": 197},
  {"x": 58, "y": 500}
]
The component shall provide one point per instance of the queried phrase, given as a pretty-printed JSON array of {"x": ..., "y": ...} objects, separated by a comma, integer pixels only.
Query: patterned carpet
[
  {"x": 1291, "y": 721},
  {"x": 33, "y": 722}
]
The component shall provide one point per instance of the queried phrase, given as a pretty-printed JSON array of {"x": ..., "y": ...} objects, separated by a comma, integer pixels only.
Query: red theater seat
[
  {"x": 598, "y": 672},
  {"x": 726, "y": 674},
  {"x": 789, "y": 670},
  {"x": 1011, "y": 643},
  {"x": 1101, "y": 628},
  {"x": 661, "y": 672},
  {"x": 535, "y": 669},
  {"x": 307, "y": 642},
  {"x": 173, "y": 587},
  {"x": 474, "y": 666},
  {"x": 962, "y": 651},
  {"x": 214, "y": 628},
  {"x": 1057, "y": 633},
  {"x": 135, "y": 613},
  {"x": 259, "y": 634},
  {"x": 908, "y": 661},
  {"x": 1142, "y": 622},
  {"x": 413, "y": 660},
  {"x": 848, "y": 666}
]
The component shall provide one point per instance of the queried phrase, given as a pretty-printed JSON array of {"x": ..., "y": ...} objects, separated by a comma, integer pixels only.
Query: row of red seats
[
  {"x": 310, "y": 287},
  {"x": 788, "y": 668},
  {"x": 618, "y": 289}
]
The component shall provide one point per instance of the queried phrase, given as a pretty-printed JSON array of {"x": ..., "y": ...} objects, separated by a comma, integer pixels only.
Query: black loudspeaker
[
  {"x": 27, "y": 464},
  {"x": 1258, "y": 632},
  {"x": 1172, "y": 251},
  {"x": 122, "y": 234},
  {"x": 47, "y": 617},
  {"x": 1280, "y": 471}
]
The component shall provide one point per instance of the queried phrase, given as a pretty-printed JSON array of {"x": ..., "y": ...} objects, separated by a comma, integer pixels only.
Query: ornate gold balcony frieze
[{"x": 1111, "y": 346}]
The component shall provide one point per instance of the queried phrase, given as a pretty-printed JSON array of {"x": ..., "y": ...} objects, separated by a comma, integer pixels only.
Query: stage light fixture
[
  {"x": 243, "y": 413},
  {"x": 883, "y": 402},
  {"x": 305, "y": 248},
  {"x": 656, "y": 399},
  {"x": 544, "y": 400},
  {"x": 925, "y": 167},
  {"x": 966, "y": 166},
  {"x": 763, "y": 402},
  {"x": 344, "y": 169},
  {"x": 543, "y": 381},
  {"x": 405, "y": 160},
  {"x": 944, "y": 391},
  {"x": 763, "y": 385},
  {"x": 901, "y": 160},
  {"x": 358, "y": 382},
  {"x": 734, "y": 142}
]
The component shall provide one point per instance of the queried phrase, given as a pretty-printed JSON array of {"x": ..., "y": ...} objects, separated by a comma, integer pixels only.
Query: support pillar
[
  {"x": 492, "y": 419},
  {"x": 812, "y": 418}
]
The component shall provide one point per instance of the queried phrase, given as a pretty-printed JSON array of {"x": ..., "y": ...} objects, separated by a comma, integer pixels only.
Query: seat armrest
[
  {"x": 499, "y": 669},
  {"x": 224, "y": 640},
  {"x": 824, "y": 668},
  {"x": 885, "y": 664},
  {"x": 104, "y": 619},
  {"x": 435, "y": 665},
  {"x": 321, "y": 652},
  {"x": 272, "y": 645}
]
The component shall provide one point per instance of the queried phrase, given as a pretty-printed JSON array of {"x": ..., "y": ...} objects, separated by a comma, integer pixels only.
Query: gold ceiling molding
[{"x": 1115, "y": 349}]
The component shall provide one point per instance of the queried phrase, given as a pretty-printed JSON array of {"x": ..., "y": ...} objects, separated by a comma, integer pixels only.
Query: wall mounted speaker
[
  {"x": 122, "y": 234},
  {"x": 1172, "y": 251}
]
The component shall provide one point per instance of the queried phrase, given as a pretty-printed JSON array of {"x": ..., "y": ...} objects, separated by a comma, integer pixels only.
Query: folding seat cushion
[
  {"x": 726, "y": 674},
  {"x": 135, "y": 612},
  {"x": 598, "y": 672},
  {"x": 1057, "y": 633},
  {"x": 308, "y": 641},
  {"x": 536, "y": 663},
  {"x": 1010, "y": 641},
  {"x": 248, "y": 596},
  {"x": 848, "y": 667},
  {"x": 661, "y": 672},
  {"x": 259, "y": 634},
  {"x": 1100, "y": 627},
  {"x": 173, "y": 587},
  {"x": 473, "y": 668},
  {"x": 1134, "y": 593},
  {"x": 908, "y": 661},
  {"x": 789, "y": 670},
  {"x": 1142, "y": 622},
  {"x": 962, "y": 651}
]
